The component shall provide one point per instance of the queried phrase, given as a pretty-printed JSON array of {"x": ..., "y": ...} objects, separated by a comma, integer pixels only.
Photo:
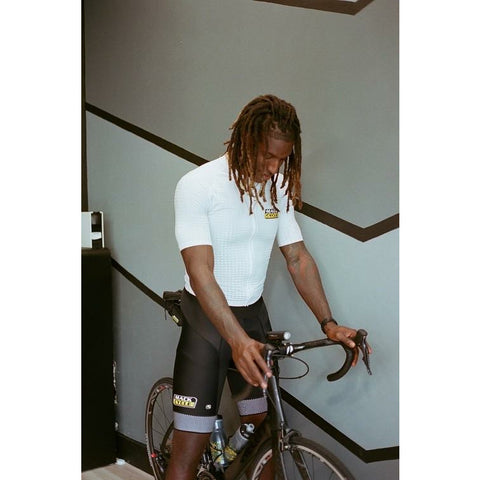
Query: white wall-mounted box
[{"x": 92, "y": 230}]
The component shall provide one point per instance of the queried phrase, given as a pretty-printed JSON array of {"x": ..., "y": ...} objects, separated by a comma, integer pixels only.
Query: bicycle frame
[
  {"x": 273, "y": 429},
  {"x": 274, "y": 432}
]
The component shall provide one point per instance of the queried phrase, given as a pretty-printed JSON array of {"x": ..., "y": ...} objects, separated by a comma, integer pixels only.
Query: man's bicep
[{"x": 292, "y": 251}]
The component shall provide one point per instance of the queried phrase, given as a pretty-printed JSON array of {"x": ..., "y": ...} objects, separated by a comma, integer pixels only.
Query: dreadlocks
[{"x": 265, "y": 116}]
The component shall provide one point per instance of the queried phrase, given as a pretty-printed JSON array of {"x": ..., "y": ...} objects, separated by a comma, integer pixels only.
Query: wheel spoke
[
  {"x": 303, "y": 460},
  {"x": 159, "y": 426}
]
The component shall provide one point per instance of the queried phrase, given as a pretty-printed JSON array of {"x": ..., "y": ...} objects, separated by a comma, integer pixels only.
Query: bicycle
[{"x": 293, "y": 456}]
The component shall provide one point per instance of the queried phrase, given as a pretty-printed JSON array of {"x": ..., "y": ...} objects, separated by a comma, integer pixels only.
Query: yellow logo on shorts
[
  {"x": 183, "y": 401},
  {"x": 271, "y": 213}
]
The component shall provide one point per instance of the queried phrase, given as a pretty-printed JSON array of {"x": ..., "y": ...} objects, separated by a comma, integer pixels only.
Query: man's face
[{"x": 271, "y": 155}]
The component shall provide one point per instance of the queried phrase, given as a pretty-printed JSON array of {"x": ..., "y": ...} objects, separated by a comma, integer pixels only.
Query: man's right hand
[{"x": 247, "y": 355}]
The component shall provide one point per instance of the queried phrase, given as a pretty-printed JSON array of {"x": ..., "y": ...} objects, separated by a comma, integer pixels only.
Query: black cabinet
[{"x": 98, "y": 413}]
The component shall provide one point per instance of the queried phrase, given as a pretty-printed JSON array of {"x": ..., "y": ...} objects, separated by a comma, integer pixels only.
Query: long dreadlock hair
[{"x": 261, "y": 117}]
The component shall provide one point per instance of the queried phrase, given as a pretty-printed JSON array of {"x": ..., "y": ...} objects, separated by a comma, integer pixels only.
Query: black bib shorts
[{"x": 204, "y": 360}]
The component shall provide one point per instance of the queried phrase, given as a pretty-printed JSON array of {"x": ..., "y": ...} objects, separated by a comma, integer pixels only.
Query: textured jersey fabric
[{"x": 209, "y": 211}]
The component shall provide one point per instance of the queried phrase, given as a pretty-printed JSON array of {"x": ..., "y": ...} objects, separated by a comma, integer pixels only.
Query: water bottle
[
  {"x": 218, "y": 441},
  {"x": 238, "y": 440}
]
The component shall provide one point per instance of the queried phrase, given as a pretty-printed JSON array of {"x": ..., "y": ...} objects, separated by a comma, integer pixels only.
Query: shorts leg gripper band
[{"x": 192, "y": 423}]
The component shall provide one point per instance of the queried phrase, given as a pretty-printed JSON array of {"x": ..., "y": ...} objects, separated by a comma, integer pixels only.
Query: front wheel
[
  {"x": 159, "y": 426},
  {"x": 304, "y": 459}
]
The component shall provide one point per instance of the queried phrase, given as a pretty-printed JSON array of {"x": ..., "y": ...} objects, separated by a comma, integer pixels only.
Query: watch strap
[{"x": 325, "y": 321}]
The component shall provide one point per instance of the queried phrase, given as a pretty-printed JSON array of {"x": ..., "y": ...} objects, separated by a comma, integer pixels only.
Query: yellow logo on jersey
[
  {"x": 271, "y": 213},
  {"x": 183, "y": 401}
]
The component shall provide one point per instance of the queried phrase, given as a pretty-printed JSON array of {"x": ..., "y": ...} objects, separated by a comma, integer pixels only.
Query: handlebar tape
[
  {"x": 345, "y": 367},
  {"x": 360, "y": 341}
]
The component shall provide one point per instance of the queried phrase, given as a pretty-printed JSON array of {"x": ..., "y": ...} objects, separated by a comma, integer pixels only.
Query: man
[{"x": 228, "y": 213}]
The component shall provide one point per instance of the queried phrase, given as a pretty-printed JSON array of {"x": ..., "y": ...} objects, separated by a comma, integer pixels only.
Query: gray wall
[{"x": 182, "y": 70}]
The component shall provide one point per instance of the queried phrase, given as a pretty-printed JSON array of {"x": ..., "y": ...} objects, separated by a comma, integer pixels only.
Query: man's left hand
[{"x": 346, "y": 336}]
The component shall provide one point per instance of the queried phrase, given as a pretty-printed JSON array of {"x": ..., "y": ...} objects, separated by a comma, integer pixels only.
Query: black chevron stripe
[
  {"x": 368, "y": 456},
  {"x": 359, "y": 233}
]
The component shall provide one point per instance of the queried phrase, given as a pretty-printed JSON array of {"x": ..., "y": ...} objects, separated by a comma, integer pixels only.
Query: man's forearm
[
  {"x": 215, "y": 306},
  {"x": 246, "y": 352},
  {"x": 306, "y": 277},
  {"x": 199, "y": 263}
]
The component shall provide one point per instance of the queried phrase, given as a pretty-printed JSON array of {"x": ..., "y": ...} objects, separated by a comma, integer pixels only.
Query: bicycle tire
[
  {"x": 159, "y": 426},
  {"x": 320, "y": 464}
]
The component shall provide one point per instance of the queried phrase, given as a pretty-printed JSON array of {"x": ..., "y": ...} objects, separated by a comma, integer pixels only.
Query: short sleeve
[
  {"x": 288, "y": 229},
  {"x": 191, "y": 212}
]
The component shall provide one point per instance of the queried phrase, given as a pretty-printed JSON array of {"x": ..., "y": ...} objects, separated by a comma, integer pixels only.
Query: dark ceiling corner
[{"x": 339, "y": 6}]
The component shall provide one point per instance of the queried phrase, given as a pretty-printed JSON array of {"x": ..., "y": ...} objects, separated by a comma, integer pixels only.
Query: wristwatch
[{"x": 324, "y": 322}]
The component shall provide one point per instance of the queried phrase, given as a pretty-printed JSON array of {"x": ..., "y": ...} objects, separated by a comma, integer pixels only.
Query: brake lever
[{"x": 361, "y": 341}]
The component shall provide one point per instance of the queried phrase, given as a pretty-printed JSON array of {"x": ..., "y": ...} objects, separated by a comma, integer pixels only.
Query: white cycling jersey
[{"x": 209, "y": 211}]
